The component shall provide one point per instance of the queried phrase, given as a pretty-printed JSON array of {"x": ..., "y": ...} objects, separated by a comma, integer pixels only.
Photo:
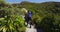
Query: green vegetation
[
  {"x": 10, "y": 19},
  {"x": 44, "y": 15}
]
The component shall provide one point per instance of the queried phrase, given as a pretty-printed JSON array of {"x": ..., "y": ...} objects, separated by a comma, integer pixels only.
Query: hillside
[
  {"x": 47, "y": 6},
  {"x": 45, "y": 15},
  {"x": 41, "y": 8}
]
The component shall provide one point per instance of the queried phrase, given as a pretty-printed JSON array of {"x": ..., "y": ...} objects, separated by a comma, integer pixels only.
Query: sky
[{"x": 36, "y": 1}]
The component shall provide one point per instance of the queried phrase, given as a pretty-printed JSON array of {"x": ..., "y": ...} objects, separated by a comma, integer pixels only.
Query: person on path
[{"x": 28, "y": 18}]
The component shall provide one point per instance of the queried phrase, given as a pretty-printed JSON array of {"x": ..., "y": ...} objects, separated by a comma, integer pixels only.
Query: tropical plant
[{"x": 10, "y": 19}]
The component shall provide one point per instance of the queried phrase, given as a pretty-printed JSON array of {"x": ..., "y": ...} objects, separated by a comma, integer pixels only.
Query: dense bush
[
  {"x": 48, "y": 24},
  {"x": 45, "y": 15},
  {"x": 12, "y": 24},
  {"x": 10, "y": 19}
]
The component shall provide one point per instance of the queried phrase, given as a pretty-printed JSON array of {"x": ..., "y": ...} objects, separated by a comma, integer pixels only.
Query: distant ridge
[{"x": 48, "y": 7}]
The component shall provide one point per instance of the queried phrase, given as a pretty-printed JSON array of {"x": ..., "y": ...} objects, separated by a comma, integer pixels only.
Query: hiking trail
[{"x": 32, "y": 29}]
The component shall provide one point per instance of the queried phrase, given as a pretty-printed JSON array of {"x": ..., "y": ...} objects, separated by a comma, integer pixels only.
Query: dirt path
[{"x": 32, "y": 29}]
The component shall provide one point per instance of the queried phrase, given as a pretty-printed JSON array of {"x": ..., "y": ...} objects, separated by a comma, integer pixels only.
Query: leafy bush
[
  {"x": 49, "y": 24},
  {"x": 12, "y": 24},
  {"x": 10, "y": 19}
]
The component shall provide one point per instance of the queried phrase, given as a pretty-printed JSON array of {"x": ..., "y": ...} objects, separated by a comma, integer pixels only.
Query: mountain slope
[
  {"x": 50, "y": 7},
  {"x": 45, "y": 15}
]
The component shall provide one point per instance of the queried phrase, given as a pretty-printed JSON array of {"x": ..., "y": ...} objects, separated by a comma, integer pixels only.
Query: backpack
[{"x": 29, "y": 14}]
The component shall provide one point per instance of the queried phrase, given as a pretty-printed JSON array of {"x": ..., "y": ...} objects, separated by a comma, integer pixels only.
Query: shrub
[
  {"x": 48, "y": 24},
  {"x": 13, "y": 23}
]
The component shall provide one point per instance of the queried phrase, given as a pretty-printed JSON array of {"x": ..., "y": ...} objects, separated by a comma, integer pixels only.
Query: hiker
[{"x": 28, "y": 18}]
